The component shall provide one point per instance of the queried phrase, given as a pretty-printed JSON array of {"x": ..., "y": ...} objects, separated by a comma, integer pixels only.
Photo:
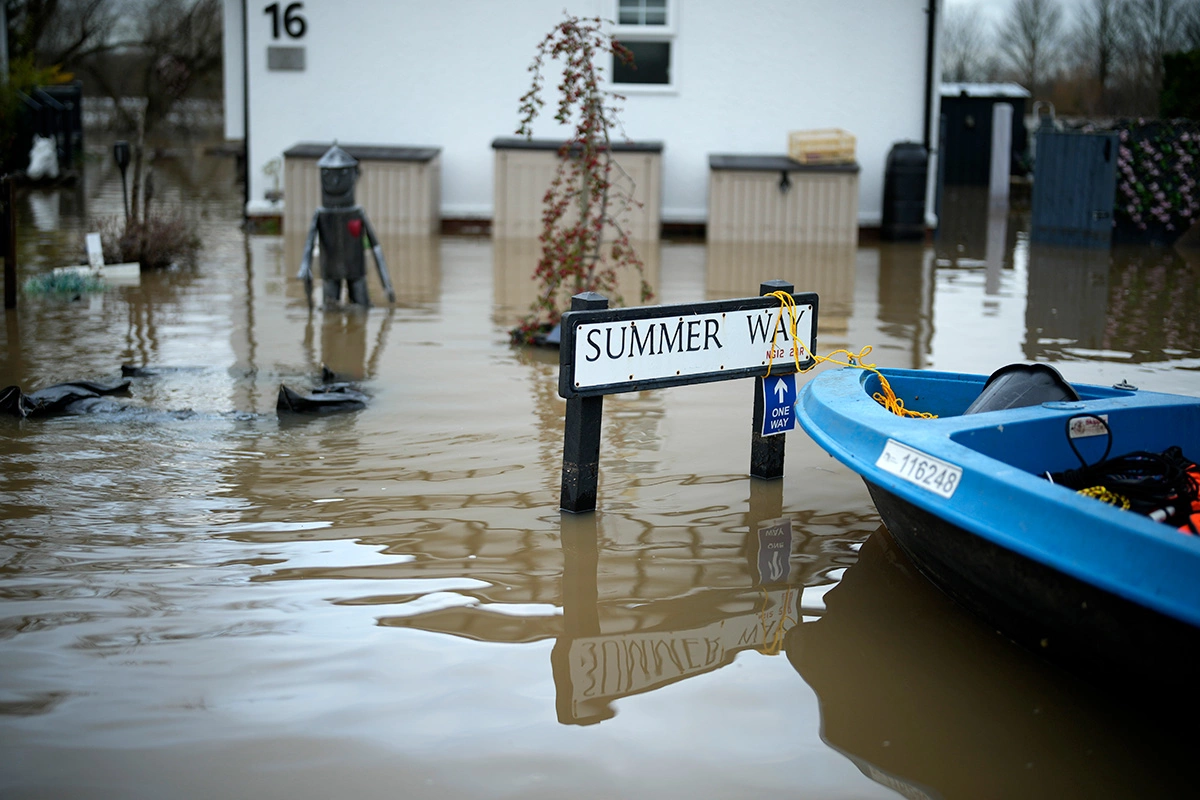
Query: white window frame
[{"x": 648, "y": 33}]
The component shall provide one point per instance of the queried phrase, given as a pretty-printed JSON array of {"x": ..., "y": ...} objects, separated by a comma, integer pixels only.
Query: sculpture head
[{"x": 339, "y": 173}]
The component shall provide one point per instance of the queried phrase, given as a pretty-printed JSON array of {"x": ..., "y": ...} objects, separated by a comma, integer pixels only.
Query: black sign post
[
  {"x": 581, "y": 436},
  {"x": 766, "y": 452},
  {"x": 607, "y": 351}
]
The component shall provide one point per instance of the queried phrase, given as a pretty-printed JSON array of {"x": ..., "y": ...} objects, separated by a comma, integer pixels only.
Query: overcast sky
[{"x": 998, "y": 9}]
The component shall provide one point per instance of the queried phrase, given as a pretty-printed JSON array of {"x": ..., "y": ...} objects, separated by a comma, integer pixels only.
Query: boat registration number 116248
[{"x": 939, "y": 477}]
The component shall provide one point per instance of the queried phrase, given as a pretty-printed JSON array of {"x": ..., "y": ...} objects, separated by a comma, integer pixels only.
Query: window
[
  {"x": 647, "y": 28},
  {"x": 641, "y": 12},
  {"x": 651, "y": 63}
]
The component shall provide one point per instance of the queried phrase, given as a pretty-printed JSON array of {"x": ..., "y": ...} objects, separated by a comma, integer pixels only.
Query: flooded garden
[{"x": 203, "y": 598}]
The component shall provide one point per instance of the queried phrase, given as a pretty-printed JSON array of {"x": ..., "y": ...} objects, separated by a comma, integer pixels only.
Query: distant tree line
[
  {"x": 159, "y": 51},
  {"x": 1108, "y": 58}
]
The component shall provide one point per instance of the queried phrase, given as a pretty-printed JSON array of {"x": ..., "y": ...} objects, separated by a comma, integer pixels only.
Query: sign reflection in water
[
  {"x": 605, "y": 654},
  {"x": 623, "y": 632}
]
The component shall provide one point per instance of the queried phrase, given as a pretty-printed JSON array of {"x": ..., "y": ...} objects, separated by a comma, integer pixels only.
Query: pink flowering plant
[
  {"x": 1158, "y": 165},
  {"x": 589, "y": 194}
]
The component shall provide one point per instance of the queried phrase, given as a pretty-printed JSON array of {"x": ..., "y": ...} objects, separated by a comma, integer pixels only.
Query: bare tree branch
[
  {"x": 1152, "y": 28},
  {"x": 1030, "y": 39},
  {"x": 1095, "y": 45},
  {"x": 59, "y": 31},
  {"x": 966, "y": 44}
]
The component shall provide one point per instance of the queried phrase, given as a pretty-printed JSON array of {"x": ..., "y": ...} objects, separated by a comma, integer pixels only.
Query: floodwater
[{"x": 201, "y": 599}]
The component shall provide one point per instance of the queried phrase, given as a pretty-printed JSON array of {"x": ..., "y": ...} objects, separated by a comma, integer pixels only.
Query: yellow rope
[
  {"x": 886, "y": 397},
  {"x": 1105, "y": 495}
]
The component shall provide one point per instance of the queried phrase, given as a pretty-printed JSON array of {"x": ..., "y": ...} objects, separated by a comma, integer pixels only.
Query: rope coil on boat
[{"x": 1102, "y": 494}]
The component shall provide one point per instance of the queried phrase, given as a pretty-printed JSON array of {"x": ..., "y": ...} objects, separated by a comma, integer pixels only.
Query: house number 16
[{"x": 293, "y": 22}]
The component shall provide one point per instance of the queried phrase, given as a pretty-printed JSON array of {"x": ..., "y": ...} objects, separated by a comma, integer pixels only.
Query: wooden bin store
[
  {"x": 399, "y": 187},
  {"x": 525, "y": 168},
  {"x": 767, "y": 198}
]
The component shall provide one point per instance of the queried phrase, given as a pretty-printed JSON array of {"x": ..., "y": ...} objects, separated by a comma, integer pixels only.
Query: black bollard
[{"x": 121, "y": 156}]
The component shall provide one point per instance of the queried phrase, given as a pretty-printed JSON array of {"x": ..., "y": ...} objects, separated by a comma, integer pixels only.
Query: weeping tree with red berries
[{"x": 584, "y": 244}]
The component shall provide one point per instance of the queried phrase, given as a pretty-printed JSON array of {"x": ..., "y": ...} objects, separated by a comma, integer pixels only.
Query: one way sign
[{"x": 779, "y": 404}]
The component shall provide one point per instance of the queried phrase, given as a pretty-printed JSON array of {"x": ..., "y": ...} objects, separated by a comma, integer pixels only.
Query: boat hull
[
  {"x": 1069, "y": 621},
  {"x": 966, "y": 496}
]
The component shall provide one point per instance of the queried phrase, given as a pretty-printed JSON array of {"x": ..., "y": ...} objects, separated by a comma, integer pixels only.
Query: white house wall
[{"x": 449, "y": 74}]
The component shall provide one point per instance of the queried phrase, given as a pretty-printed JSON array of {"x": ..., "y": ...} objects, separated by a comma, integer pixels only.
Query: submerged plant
[
  {"x": 153, "y": 236},
  {"x": 64, "y": 283},
  {"x": 157, "y": 239},
  {"x": 589, "y": 193}
]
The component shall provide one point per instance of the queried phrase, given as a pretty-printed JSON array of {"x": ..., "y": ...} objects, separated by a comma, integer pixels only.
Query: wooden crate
[{"x": 826, "y": 146}]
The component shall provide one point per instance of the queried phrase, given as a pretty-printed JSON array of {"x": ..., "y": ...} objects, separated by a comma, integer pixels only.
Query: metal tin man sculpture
[{"x": 341, "y": 224}]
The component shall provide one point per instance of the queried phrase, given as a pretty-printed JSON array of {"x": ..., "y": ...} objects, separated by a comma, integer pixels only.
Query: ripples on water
[{"x": 200, "y": 598}]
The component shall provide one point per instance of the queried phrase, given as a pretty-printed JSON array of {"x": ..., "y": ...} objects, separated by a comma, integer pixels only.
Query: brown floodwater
[{"x": 201, "y": 599}]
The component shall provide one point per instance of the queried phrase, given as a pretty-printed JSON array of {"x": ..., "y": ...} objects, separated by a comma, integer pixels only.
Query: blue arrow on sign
[{"x": 779, "y": 404}]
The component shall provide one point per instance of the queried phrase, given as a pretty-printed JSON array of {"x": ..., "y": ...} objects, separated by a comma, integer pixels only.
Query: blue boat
[{"x": 970, "y": 497}]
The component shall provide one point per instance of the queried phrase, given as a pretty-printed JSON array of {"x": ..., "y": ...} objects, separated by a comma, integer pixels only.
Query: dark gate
[
  {"x": 966, "y": 155},
  {"x": 1074, "y": 185}
]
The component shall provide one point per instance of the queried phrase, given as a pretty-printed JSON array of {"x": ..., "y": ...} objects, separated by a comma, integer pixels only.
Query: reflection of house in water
[
  {"x": 1085, "y": 302},
  {"x": 735, "y": 269},
  {"x": 967, "y": 234},
  {"x": 1153, "y": 297},
  {"x": 1067, "y": 300},
  {"x": 926, "y": 701},
  {"x": 513, "y": 263},
  {"x": 962, "y": 227},
  {"x": 630, "y": 425},
  {"x": 905, "y": 295},
  {"x": 972, "y": 235},
  {"x": 149, "y": 309}
]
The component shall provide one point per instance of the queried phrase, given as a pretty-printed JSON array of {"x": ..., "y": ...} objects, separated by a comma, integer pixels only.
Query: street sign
[
  {"x": 651, "y": 347},
  {"x": 605, "y": 351},
  {"x": 779, "y": 404}
]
